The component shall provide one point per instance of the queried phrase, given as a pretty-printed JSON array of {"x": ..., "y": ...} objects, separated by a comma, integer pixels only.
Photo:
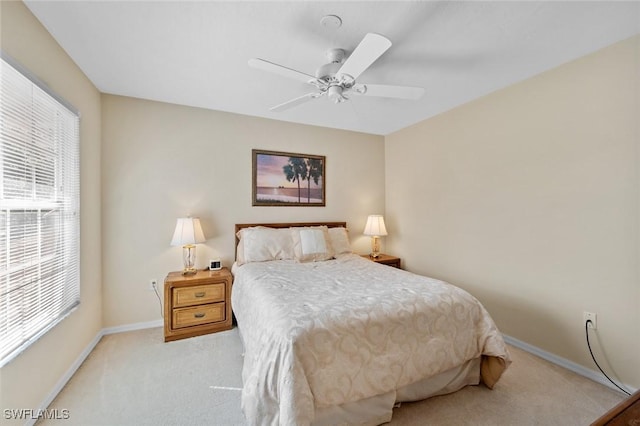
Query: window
[{"x": 39, "y": 210}]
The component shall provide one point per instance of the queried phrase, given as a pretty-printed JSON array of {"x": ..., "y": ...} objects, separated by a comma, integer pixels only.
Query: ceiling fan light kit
[
  {"x": 331, "y": 21},
  {"x": 337, "y": 78}
]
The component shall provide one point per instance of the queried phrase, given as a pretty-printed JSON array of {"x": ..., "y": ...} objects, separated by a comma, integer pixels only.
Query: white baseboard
[
  {"x": 596, "y": 376},
  {"x": 83, "y": 356},
  {"x": 133, "y": 327},
  {"x": 67, "y": 376}
]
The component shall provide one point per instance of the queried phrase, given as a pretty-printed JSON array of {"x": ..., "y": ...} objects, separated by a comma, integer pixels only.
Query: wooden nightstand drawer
[
  {"x": 198, "y": 295},
  {"x": 203, "y": 314}
]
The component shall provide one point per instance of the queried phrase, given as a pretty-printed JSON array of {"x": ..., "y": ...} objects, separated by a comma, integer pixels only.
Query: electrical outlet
[
  {"x": 153, "y": 284},
  {"x": 590, "y": 316}
]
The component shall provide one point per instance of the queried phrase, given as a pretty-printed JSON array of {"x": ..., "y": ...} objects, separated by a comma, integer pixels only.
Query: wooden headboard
[{"x": 240, "y": 226}]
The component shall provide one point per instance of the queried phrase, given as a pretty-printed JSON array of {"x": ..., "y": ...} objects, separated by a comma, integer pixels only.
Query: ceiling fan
[{"x": 337, "y": 80}]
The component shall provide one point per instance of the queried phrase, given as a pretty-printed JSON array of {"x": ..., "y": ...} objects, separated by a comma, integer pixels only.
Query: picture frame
[{"x": 288, "y": 179}]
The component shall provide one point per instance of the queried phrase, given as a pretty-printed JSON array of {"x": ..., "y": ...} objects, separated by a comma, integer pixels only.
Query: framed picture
[{"x": 287, "y": 179}]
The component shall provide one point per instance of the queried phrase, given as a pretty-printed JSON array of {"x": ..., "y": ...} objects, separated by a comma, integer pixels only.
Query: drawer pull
[
  {"x": 200, "y": 294},
  {"x": 199, "y": 315}
]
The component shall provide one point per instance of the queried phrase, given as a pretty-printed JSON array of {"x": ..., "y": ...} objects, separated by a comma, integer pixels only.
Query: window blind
[{"x": 39, "y": 210}]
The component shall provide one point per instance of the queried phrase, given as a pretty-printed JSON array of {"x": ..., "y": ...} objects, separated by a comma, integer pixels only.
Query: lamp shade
[
  {"x": 188, "y": 231},
  {"x": 375, "y": 226}
]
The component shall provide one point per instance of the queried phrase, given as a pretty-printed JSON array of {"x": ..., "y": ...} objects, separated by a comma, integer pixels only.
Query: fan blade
[
  {"x": 386, "y": 91},
  {"x": 261, "y": 64},
  {"x": 295, "y": 102},
  {"x": 370, "y": 48}
]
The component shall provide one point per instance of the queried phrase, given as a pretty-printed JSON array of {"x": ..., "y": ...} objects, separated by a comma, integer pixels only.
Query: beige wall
[
  {"x": 27, "y": 380},
  {"x": 528, "y": 198},
  {"x": 162, "y": 161}
]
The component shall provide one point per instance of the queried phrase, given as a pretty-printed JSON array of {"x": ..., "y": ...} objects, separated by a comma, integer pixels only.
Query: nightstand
[
  {"x": 385, "y": 259},
  {"x": 197, "y": 304},
  {"x": 625, "y": 413}
]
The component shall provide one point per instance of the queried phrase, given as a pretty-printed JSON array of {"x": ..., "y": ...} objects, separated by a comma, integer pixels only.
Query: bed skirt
[{"x": 379, "y": 409}]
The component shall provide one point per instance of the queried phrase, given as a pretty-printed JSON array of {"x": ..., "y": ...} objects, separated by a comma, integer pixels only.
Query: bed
[{"x": 333, "y": 338}]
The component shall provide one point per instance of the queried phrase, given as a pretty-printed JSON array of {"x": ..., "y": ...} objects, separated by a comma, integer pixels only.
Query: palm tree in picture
[
  {"x": 314, "y": 171},
  {"x": 295, "y": 170}
]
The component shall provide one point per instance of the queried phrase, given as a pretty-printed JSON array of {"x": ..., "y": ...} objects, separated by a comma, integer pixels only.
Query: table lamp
[
  {"x": 187, "y": 234},
  {"x": 375, "y": 229}
]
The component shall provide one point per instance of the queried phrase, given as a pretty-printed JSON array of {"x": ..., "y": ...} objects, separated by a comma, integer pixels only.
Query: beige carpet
[{"x": 135, "y": 378}]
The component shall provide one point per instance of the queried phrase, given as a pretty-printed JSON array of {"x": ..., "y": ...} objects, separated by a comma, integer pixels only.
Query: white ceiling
[{"x": 196, "y": 53}]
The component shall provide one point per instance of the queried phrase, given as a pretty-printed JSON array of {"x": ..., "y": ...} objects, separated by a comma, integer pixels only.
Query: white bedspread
[{"x": 326, "y": 333}]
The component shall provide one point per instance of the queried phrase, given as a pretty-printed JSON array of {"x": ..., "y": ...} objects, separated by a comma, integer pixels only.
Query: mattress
[{"x": 321, "y": 335}]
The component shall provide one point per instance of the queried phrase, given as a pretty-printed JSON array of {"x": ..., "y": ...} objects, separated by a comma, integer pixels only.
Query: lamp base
[
  {"x": 375, "y": 247},
  {"x": 189, "y": 259},
  {"x": 189, "y": 271}
]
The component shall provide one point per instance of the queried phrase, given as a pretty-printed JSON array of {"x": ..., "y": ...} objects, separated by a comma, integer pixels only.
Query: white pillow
[
  {"x": 311, "y": 244},
  {"x": 339, "y": 238},
  {"x": 261, "y": 244}
]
